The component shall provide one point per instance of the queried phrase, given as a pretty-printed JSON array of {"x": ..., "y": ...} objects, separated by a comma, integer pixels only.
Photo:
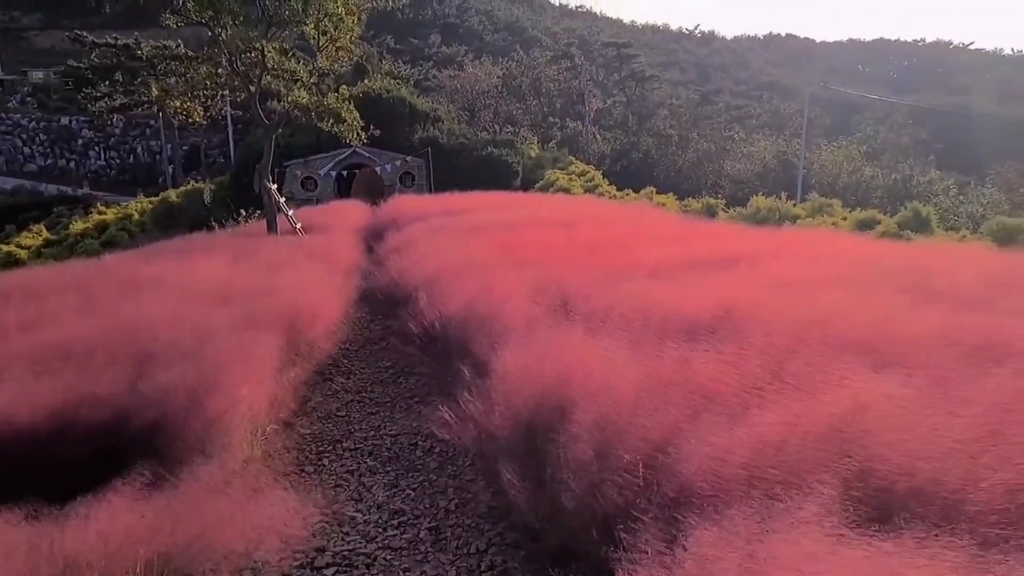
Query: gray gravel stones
[{"x": 404, "y": 501}]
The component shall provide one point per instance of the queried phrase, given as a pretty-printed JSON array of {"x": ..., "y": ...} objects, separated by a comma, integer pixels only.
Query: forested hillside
[{"x": 690, "y": 112}]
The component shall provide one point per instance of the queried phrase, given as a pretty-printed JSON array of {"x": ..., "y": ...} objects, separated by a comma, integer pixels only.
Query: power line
[
  {"x": 882, "y": 98},
  {"x": 807, "y": 107}
]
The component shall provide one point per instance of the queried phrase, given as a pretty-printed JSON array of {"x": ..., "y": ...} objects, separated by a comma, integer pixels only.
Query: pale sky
[{"x": 988, "y": 23}]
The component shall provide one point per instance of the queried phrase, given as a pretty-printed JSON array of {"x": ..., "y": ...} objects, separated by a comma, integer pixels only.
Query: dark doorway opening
[
  {"x": 369, "y": 187},
  {"x": 344, "y": 180}
]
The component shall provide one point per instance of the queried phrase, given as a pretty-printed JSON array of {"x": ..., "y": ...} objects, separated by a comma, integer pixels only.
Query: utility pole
[
  {"x": 587, "y": 114},
  {"x": 430, "y": 167},
  {"x": 227, "y": 112},
  {"x": 163, "y": 150},
  {"x": 803, "y": 150},
  {"x": 231, "y": 131}
]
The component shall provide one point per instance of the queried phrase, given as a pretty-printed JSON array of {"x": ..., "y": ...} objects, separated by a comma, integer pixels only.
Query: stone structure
[
  {"x": 111, "y": 154},
  {"x": 332, "y": 175},
  {"x": 13, "y": 186}
]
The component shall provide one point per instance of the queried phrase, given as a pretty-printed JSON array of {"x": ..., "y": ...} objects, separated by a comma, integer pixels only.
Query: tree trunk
[
  {"x": 168, "y": 181},
  {"x": 263, "y": 183},
  {"x": 178, "y": 177},
  {"x": 202, "y": 159}
]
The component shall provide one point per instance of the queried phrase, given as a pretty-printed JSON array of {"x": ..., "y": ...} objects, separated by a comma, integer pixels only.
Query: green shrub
[
  {"x": 666, "y": 201},
  {"x": 888, "y": 228},
  {"x": 22, "y": 207},
  {"x": 1004, "y": 231},
  {"x": 818, "y": 206},
  {"x": 956, "y": 236},
  {"x": 12, "y": 257},
  {"x": 915, "y": 221},
  {"x": 764, "y": 210},
  {"x": 705, "y": 206},
  {"x": 186, "y": 209},
  {"x": 106, "y": 228},
  {"x": 577, "y": 179},
  {"x": 861, "y": 220},
  {"x": 824, "y": 222},
  {"x": 916, "y": 218},
  {"x": 537, "y": 162}
]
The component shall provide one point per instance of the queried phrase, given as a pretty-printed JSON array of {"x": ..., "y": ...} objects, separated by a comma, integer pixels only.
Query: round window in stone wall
[
  {"x": 309, "y": 183},
  {"x": 407, "y": 179}
]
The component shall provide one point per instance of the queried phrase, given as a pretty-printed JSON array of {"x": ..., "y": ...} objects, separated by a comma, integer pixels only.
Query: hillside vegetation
[
  {"x": 490, "y": 83},
  {"x": 95, "y": 229},
  {"x": 914, "y": 221},
  {"x": 21, "y": 208},
  {"x": 101, "y": 229},
  {"x": 692, "y": 113}
]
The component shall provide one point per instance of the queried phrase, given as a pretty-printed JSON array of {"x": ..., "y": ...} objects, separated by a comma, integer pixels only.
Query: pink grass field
[
  {"x": 198, "y": 345},
  {"x": 712, "y": 399},
  {"x": 789, "y": 401}
]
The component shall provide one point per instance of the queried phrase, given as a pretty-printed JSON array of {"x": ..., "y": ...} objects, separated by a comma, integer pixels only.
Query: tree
[
  {"x": 119, "y": 75},
  {"x": 1008, "y": 179},
  {"x": 286, "y": 59}
]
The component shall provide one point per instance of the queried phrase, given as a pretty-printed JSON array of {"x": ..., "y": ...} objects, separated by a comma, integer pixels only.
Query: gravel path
[{"x": 408, "y": 502}]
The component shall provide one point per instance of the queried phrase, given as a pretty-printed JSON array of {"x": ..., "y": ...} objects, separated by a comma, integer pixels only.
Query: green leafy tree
[
  {"x": 1008, "y": 179},
  {"x": 286, "y": 60},
  {"x": 118, "y": 75}
]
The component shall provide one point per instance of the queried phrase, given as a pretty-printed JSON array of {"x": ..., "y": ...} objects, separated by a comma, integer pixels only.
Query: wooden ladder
[{"x": 288, "y": 212}]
